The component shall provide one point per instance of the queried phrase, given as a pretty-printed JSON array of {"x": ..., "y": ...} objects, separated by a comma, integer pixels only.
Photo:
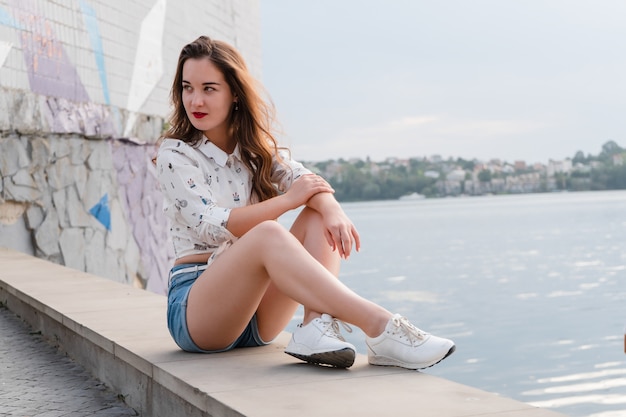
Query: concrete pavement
[{"x": 119, "y": 334}]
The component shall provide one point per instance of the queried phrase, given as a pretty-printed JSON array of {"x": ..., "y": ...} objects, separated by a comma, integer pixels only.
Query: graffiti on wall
[
  {"x": 50, "y": 72},
  {"x": 69, "y": 109}
]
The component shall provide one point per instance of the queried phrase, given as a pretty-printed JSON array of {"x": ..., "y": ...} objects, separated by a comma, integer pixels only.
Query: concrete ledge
[{"x": 119, "y": 334}]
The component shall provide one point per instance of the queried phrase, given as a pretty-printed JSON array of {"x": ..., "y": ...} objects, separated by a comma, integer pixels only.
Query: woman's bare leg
[
  {"x": 268, "y": 261},
  {"x": 310, "y": 232},
  {"x": 276, "y": 308}
]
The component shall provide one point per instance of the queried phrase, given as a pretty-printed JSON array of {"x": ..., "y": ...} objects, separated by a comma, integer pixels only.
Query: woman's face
[{"x": 207, "y": 98}]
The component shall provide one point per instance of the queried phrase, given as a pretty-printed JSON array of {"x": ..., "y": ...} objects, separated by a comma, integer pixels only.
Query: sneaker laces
[
  {"x": 408, "y": 330},
  {"x": 332, "y": 328}
]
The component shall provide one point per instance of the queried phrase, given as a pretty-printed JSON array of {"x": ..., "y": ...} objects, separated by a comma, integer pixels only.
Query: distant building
[
  {"x": 558, "y": 167},
  {"x": 582, "y": 168},
  {"x": 456, "y": 175},
  {"x": 508, "y": 169},
  {"x": 539, "y": 167}
]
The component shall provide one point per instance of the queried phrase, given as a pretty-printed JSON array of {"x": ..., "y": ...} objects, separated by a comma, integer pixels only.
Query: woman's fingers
[
  {"x": 350, "y": 239},
  {"x": 343, "y": 243},
  {"x": 357, "y": 238},
  {"x": 346, "y": 242}
]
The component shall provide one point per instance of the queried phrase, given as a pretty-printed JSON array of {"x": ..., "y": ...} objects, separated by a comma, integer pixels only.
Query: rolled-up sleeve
[
  {"x": 286, "y": 171},
  {"x": 189, "y": 199}
]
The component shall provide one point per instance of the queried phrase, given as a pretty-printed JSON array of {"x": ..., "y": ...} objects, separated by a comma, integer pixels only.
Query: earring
[{"x": 236, "y": 105}]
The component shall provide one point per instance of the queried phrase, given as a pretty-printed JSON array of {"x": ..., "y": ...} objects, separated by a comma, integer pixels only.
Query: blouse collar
[{"x": 219, "y": 156}]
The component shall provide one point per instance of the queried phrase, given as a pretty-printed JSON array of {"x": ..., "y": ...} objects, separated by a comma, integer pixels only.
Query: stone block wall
[{"x": 84, "y": 96}]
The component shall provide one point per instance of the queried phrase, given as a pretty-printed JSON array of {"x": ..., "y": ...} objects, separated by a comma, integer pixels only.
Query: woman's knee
[{"x": 269, "y": 230}]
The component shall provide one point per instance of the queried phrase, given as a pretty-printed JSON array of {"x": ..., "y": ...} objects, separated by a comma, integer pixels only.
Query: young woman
[{"x": 239, "y": 275}]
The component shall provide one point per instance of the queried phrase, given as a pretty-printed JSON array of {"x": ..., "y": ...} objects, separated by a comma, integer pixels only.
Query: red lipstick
[{"x": 198, "y": 115}]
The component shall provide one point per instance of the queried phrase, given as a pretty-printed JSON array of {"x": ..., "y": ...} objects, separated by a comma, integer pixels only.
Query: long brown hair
[{"x": 251, "y": 124}]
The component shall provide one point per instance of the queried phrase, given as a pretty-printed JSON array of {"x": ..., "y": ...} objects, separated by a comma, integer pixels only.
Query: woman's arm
[{"x": 302, "y": 190}]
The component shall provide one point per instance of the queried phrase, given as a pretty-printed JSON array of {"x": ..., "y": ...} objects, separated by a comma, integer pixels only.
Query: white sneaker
[
  {"x": 404, "y": 345},
  {"x": 320, "y": 342}
]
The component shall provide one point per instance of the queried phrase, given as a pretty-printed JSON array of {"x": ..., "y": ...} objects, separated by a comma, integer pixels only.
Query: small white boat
[{"x": 412, "y": 196}]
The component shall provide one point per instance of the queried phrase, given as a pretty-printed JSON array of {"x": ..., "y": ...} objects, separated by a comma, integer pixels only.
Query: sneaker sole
[
  {"x": 343, "y": 358},
  {"x": 383, "y": 361}
]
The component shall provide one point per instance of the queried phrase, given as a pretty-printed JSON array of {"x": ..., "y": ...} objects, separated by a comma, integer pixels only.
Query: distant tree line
[
  {"x": 606, "y": 174},
  {"x": 355, "y": 183},
  {"x": 359, "y": 180}
]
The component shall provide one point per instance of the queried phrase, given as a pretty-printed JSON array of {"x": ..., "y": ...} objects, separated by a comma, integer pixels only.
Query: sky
[{"x": 529, "y": 80}]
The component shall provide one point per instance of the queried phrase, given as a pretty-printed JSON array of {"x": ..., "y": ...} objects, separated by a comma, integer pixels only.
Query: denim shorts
[{"x": 182, "y": 278}]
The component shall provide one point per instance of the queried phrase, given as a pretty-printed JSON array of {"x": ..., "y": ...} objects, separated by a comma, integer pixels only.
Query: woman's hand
[
  {"x": 317, "y": 193},
  {"x": 306, "y": 187},
  {"x": 340, "y": 232}
]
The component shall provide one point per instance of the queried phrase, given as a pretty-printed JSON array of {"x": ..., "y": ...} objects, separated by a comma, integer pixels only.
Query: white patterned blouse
[{"x": 201, "y": 185}]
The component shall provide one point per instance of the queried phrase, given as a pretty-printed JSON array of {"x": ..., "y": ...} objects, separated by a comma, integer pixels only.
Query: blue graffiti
[
  {"x": 7, "y": 20},
  {"x": 101, "y": 212},
  {"x": 91, "y": 23}
]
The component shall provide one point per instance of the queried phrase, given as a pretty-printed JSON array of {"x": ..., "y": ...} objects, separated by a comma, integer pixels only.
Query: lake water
[{"x": 532, "y": 289}]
